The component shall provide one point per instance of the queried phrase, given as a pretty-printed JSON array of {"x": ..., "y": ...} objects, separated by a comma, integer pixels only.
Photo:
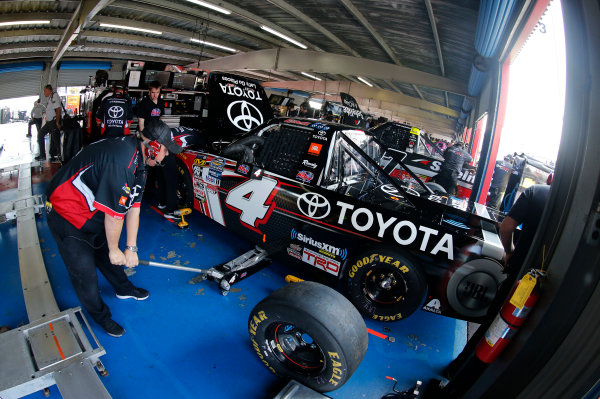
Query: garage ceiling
[{"x": 417, "y": 54}]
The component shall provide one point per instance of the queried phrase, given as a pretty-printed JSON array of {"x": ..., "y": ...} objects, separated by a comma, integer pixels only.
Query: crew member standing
[
  {"x": 455, "y": 157},
  {"x": 150, "y": 108},
  {"x": 526, "y": 211},
  {"x": 115, "y": 114},
  {"x": 37, "y": 112},
  {"x": 303, "y": 113},
  {"x": 52, "y": 126},
  {"x": 89, "y": 200}
]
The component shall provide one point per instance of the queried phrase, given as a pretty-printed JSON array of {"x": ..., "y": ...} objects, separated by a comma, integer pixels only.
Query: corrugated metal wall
[{"x": 20, "y": 84}]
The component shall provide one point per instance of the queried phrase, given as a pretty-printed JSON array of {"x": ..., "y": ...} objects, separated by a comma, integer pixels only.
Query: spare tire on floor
[{"x": 309, "y": 332}]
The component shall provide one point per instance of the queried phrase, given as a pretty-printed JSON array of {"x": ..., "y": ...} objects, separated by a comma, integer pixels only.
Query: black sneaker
[
  {"x": 113, "y": 329},
  {"x": 172, "y": 216},
  {"x": 139, "y": 294},
  {"x": 55, "y": 160},
  {"x": 40, "y": 158}
]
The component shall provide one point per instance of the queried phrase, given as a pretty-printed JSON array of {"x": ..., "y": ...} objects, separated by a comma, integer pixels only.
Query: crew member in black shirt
[
  {"x": 151, "y": 108},
  {"x": 89, "y": 200},
  {"x": 115, "y": 114},
  {"x": 455, "y": 157},
  {"x": 527, "y": 211}
]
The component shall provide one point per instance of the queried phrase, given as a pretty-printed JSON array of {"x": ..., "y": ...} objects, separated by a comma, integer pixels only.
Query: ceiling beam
[
  {"x": 364, "y": 91},
  {"x": 314, "y": 24},
  {"x": 85, "y": 11},
  {"x": 151, "y": 41},
  {"x": 233, "y": 25},
  {"x": 87, "y": 55},
  {"x": 391, "y": 83},
  {"x": 124, "y": 50},
  {"x": 436, "y": 37},
  {"x": 30, "y": 16},
  {"x": 361, "y": 18},
  {"x": 179, "y": 16},
  {"x": 258, "y": 20},
  {"x": 307, "y": 61},
  {"x": 32, "y": 33}
]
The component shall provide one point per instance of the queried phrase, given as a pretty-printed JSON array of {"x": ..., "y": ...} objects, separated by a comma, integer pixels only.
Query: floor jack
[{"x": 225, "y": 274}]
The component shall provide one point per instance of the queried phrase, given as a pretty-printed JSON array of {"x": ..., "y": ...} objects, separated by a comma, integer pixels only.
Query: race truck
[
  {"x": 323, "y": 197},
  {"x": 422, "y": 156},
  {"x": 327, "y": 200}
]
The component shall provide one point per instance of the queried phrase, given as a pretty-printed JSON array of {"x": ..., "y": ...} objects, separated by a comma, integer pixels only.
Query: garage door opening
[{"x": 536, "y": 94}]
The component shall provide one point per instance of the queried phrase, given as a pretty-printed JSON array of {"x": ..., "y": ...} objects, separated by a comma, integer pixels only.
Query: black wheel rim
[
  {"x": 295, "y": 349},
  {"x": 384, "y": 286}
]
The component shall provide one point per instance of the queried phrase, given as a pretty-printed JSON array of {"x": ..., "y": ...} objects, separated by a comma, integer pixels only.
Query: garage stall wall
[
  {"x": 20, "y": 79},
  {"x": 78, "y": 73}
]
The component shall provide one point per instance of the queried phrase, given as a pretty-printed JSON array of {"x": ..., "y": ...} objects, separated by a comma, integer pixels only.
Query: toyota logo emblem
[
  {"x": 389, "y": 190},
  {"x": 116, "y": 112},
  {"x": 245, "y": 115},
  {"x": 313, "y": 205}
]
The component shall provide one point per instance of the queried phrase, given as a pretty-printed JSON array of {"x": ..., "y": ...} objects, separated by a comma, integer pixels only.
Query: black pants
[
  {"x": 51, "y": 128},
  {"x": 448, "y": 180},
  {"x": 166, "y": 177},
  {"x": 38, "y": 125},
  {"x": 82, "y": 253}
]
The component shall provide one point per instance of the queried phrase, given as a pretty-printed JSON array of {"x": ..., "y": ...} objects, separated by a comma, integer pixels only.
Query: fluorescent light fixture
[
  {"x": 154, "y": 32},
  {"x": 315, "y": 104},
  {"x": 214, "y": 45},
  {"x": 33, "y": 22},
  {"x": 211, "y": 6},
  {"x": 364, "y": 81},
  {"x": 310, "y": 76},
  {"x": 284, "y": 37}
]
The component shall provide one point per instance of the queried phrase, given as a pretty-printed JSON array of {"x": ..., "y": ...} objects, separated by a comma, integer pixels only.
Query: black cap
[
  {"x": 119, "y": 85},
  {"x": 155, "y": 129}
]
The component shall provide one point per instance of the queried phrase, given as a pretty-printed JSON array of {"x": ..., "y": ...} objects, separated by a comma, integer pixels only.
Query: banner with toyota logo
[
  {"x": 351, "y": 113},
  {"x": 237, "y": 104}
]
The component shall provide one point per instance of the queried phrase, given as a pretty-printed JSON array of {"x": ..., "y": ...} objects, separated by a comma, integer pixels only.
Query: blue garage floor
[{"x": 189, "y": 341}]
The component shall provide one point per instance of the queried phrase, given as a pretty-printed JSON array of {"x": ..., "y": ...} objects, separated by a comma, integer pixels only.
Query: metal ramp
[{"x": 54, "y": 347}]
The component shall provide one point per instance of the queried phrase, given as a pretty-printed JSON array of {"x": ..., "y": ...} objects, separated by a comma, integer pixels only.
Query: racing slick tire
[
  {"x": 309, "y": 332},
  {"x": 185, "y": 187},
  {"x": 384, "y": 284}
]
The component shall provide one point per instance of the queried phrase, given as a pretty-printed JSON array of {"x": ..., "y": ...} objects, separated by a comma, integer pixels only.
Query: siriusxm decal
[
  {"x": 327, "y": 248},
  {"x": 320, "y": 126}
]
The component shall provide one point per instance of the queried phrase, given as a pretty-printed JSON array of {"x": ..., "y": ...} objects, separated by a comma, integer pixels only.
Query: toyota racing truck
[{"x": 326, "y": 199}]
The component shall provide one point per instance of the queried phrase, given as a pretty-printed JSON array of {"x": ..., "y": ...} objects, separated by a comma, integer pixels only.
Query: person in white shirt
[
  {"x": 37, "y": 112},
  {"x": 52, "y": 126}
]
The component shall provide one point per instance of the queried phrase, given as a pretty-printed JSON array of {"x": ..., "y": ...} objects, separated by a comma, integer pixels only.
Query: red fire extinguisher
[{"x": 512, "y": 315}]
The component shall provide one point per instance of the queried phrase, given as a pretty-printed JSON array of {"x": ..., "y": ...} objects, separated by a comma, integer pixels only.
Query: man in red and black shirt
[{"x": 88, "y": 201}]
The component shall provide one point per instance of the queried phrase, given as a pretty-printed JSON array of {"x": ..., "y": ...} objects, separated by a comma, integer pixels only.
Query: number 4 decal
[{"x": 253, "y": 199}]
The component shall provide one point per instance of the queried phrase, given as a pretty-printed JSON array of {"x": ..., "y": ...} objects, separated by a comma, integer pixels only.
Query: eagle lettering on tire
[{"x": 309, "y": 332}]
